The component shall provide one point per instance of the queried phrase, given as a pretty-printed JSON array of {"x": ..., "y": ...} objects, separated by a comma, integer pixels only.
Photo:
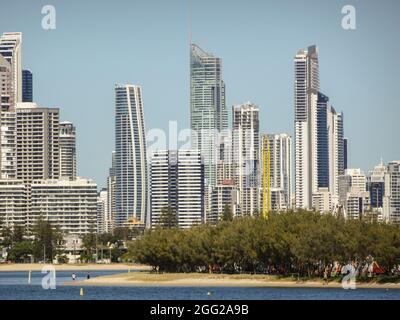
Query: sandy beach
[
  {"x": 206, "y": 280},
  {"x": 72, "y": 267}
]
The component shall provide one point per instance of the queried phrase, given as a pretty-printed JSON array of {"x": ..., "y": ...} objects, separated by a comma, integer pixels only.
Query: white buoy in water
[
  {"x": 209, "y": 293},
  {"x": 29, "y": 276}
]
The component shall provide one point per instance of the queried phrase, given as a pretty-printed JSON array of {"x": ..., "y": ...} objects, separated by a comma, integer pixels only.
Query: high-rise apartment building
[
  {"x": 279, "y": 147},
  {"x": 246, "y": 156},
  {"x": 67, "y": 150},
  {"x": 306, "y": 87},
  {"x": 8, "y": 163},
  {"x": 376, "y": 185},
  {"x": 6, "y": 85},
  {"x": 208, "y": 112},
  {"x": 319, "y": 141},
  {"x": 69, "y": 205},
  {"x": 391, "y": 200},
  {"x": 177, "y": 181},
  {"x": 111, "y": 194},
  {"x": 130, "y": 155},
  {"x": 224, "y": 194},
  {"x": 336, "y": 152},
  {"x": 37, "y": 152},
  {"x": 353, "y": 195},
  {"x": 345, "y": 152},
  {"x": 11, "y": 50},
  {"x": 27, "y": 86},
  {"x": 14, "y": 203},
  {"x": 103, "y": 217}
]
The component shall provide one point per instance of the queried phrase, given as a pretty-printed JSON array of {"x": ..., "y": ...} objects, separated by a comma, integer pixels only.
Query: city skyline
[{"x": 259, "y": 69}]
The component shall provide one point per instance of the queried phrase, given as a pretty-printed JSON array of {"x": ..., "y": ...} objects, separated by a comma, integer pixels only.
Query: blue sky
[{"x": 99, "y": 43}]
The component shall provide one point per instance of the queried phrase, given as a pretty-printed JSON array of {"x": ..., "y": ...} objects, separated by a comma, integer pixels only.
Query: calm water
[{"x": 14, "y": 286}]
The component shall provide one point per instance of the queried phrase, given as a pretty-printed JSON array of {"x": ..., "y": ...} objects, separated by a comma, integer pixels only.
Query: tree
[
  {"x": 89, "y": 243},
  {"x": 6, "y": 236},
  {"x": 168, "y": 218},
  {"x": 299, "y": 242},
  {"x": 12, "y": 237},
  {"x": 18, "y": 233},
  {"x": 47, "y": 240},
  {"x": 20, "y": 252},
  {"x": 227, "y": 214}
]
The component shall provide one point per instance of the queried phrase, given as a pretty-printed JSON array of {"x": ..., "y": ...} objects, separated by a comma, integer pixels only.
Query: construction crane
[{"x": 266, "y": 178}]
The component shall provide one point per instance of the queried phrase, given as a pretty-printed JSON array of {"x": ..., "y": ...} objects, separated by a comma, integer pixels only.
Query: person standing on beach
[{"x": 326, "y": 275}]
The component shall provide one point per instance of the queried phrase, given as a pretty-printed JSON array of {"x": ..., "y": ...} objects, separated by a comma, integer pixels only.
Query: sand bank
[{"x": 205, "y": 280}]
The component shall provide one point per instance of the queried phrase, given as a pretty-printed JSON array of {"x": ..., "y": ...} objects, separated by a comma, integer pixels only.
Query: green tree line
[
  {"x": 286, "y": 243},
  {"x": 44, "y": 243}
]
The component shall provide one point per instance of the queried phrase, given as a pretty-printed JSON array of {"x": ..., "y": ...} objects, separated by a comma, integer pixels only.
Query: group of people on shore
[{"x": 74, "y": 277}]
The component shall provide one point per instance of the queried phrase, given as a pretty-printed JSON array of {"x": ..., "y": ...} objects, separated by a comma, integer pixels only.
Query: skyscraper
[
  {"x": 102, "y": 212},
  {"x": 67, "y": 150},
  {"x": 224, "y": 194},
  {"x": 280, "y": 151},
  {"x": 208, "y": 112},
  {"x": 27, "y": 86},
  {"x": 11, "y": 50},
  {"x": 376, "y": 185},
  {"x": 336, "y": 151},
  {"x": 37, "y": 151},
  {"x": 345, "y": 152},
  {"x": 111, "y": 193},
  {"x": 391, "y": 200},
  {"x": 177, "y": 181},
  {"x": 130, "y": 155},
  {"x": 319, "y": 141},
  {"x": 353, "y": 194},
  {"x": 306, "y": 87},
  {"x": 8, "y": 161},
  {"x": 6, "y": 85},
  {"x": 246, "y": 155}
]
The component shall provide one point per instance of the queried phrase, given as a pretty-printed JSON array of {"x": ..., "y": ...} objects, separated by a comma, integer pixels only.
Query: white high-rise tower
[
  {"x": 306, "y": 86},
  {"x": 246, "y": 155},
  {"x": 11, "y": 50},
  {"x": 130, "y": 156}
]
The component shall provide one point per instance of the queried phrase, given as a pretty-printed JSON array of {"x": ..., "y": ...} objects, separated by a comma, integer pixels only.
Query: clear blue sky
[{"x": 99, "y": 43}]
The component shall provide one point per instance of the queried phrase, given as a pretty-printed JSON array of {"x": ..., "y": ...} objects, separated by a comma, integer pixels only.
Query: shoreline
[
  {"x": 204, "y": 280},
  {"x": 26, "y": 267}
]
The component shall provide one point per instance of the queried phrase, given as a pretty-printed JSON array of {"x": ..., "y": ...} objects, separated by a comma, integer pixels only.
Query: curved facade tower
[{"x": 130, "y": 155}]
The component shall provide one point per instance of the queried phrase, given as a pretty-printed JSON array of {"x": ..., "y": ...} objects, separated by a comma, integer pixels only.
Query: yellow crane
[{"x": 266, "y": 178}]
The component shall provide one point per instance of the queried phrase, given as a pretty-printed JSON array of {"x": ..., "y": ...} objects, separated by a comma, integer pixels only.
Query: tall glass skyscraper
[
  {"x": 208, "y": 113},
  {"x": 130, "y": 156}
]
